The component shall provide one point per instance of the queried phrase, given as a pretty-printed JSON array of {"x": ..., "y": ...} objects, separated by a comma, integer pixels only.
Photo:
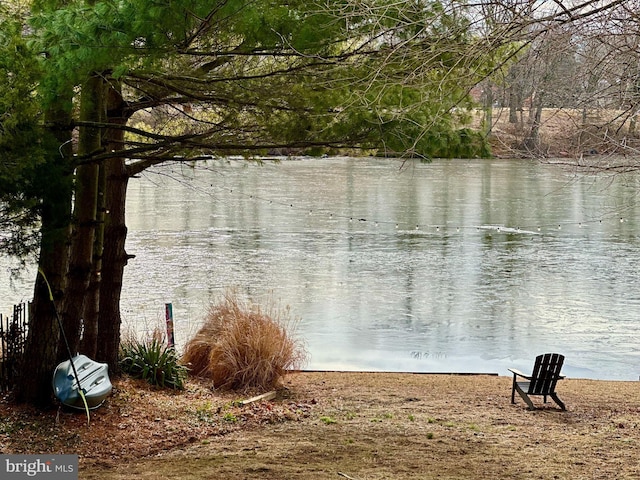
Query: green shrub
[
  {"x": 241, "y": 347},
  {"x": 154, "y": 362}
]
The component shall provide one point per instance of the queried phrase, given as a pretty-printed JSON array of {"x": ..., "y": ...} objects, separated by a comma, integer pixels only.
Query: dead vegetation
[
  {"x": 566, "y": 133},
  {"x": 242, "y": 346},
  {"x": 363, "y": 426}
]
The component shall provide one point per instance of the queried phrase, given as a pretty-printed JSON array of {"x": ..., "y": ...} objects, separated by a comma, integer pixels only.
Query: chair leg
[
  {"x": 558, "y": 401},
  {"x": 525, "y": 397}
]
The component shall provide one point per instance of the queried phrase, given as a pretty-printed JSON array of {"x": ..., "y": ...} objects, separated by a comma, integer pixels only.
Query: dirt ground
[{"x": 344, "y": 425}]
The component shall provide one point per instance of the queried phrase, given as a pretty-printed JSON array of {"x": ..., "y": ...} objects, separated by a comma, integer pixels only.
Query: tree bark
[
  {"x": 89, "y": 343},
  {"x": 39, "y": 360},
  {"x": 633, "y": 122},
  {"x": 114, "y": 256},
  {"x": 84, "y": 213},
  {"x": 488, "y": 99},
  {"x": 514, "y": 105},
  {"x": 532, "y": 142}
]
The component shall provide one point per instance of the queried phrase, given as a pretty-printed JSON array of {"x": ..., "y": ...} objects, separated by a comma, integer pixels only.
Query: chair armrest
[{"x": 519, "y": 374}]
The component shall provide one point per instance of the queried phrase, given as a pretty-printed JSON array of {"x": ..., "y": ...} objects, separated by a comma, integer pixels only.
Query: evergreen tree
[{"x": 151, "y": 81}]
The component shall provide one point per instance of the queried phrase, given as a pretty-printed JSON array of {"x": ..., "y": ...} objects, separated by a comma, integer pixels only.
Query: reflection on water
[{"x": 450, "y": 266}]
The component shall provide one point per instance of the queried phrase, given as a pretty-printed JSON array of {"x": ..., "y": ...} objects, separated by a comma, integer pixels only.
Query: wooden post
[{"x": 169, "y": 317}]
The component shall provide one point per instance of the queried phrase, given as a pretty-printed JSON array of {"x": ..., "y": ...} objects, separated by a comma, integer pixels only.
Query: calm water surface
[{"x": 471, "y": 266}]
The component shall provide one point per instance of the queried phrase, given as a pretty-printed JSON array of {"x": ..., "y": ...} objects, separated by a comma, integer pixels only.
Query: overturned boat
[{"x": 81, "y": 374}]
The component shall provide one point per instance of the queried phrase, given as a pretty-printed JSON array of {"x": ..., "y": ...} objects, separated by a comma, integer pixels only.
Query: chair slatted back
[{"x": 546, "y": 373}]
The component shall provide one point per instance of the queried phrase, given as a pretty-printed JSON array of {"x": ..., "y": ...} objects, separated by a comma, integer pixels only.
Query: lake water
[{"x": 452, "y": 266}]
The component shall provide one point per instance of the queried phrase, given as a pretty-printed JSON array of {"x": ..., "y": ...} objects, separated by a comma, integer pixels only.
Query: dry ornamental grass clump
[{"x": 242, "y": 347}]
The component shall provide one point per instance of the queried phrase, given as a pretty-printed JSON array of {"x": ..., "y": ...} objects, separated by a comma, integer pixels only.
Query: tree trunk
[
  {"x": 514, "y": 105},
  {"x": 114, "y": 260},
  {"x": 633, "y": 122},
  {"x": 91, "y": 312},
  {"x": 91, "y": 305},
  {"x": 532, "y": 142},
  {"x": 39, "y": 360},
  {"x": 515, "y": 94},
  {"x": 85, "y": 208},
  {"x": 114, "y": 256},
  {"x": 488, "y": 100}
]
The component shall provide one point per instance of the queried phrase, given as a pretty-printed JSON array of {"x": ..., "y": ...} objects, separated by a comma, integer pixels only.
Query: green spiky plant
[{"x": 154, "y": 362}]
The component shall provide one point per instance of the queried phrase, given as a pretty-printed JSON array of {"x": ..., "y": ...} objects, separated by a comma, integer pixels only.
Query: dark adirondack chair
[{"x": 546, "y": 373}]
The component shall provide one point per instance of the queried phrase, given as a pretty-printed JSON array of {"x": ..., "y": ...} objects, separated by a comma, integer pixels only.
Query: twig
[
  {"x": 265, "y": 396},
  {"x": 346, "y": 476}
]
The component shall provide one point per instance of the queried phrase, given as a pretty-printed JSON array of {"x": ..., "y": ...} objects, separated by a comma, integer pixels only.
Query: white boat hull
[{"x": 94, "y": 382}]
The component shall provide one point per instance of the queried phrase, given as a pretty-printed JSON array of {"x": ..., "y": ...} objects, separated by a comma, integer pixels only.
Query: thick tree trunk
[
  {"x": 114, "y": 256},
  {"x": 91, "y": 312},
  {"x": 39, "y": 361},
  {"x": 91, "y": 305},
  {"x": 85, "y": 208},
  {"x": 114, "y": 260}
]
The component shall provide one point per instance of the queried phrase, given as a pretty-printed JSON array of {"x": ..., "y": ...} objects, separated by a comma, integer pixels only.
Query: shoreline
[
  {"x": 391, "y": 372},
  {"x": 454, "y": 374}
]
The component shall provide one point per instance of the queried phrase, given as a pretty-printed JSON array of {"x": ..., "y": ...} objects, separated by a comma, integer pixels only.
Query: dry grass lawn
[{"x": 345, "y": 425}]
